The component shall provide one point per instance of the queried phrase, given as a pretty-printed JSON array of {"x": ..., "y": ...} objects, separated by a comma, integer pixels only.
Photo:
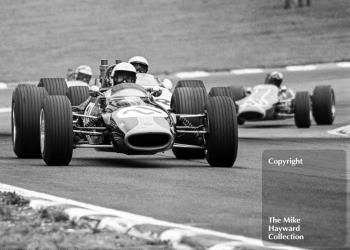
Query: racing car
[
  {"x": 51, "y": 119},
  {"x": 268, "y": 102}
]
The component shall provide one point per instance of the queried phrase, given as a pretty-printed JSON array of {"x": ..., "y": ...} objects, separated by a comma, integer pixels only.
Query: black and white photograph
[{"x": 174, "y": 124}]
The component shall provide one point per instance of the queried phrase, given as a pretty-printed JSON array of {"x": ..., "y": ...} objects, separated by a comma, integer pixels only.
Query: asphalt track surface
[{"x": 189, "y": 191}]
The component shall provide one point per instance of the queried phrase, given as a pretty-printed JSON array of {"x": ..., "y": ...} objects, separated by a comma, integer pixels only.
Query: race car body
[
  {"x": 136, "y": 124},
  {"x": 264, "y": 103}
]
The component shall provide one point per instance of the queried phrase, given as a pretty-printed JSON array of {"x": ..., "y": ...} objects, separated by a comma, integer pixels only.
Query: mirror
[
  {"x": 156, "y": 91},
  {"x": 248, "y": 91}
]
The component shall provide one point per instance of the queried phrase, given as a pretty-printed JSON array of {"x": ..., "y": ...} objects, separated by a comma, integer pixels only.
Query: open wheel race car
[
  {"x": 52, "y": 119},
  {"x": 268, "y": 102}
]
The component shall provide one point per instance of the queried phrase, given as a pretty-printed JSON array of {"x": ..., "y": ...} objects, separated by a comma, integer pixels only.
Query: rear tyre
[
  {"x": 77, "y": 94},
  {"x": 190, "y": 84},
  {"x": 222, "y": 137},
  {"x": 186, "y": 100},
  {"x": 54, "y": 86},
  {"x": 235, "y": 93},
  {"x": 323, "y": 105},
  {"x": 56, "y": 130},
  {"x": 26, "y": 104},
  {"x": 302, "y": 109}
]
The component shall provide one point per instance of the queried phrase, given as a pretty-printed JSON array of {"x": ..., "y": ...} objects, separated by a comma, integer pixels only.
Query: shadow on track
[
  {"x": 249, "y": 126},
  {"x": 139, "y": 163}
]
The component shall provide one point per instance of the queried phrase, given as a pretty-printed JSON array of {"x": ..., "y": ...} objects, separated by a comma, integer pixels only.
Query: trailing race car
[
  {"x": 126, "y": 120},
  {"x": 268, "y": 102}
]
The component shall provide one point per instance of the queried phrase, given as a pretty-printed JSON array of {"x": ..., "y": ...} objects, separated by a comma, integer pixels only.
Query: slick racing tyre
[
  {"x": 323, "y": 105},
  {"x": 26, "y": 104},
  {"x": 56, "y": 130},
  {"x": 302, "y": 109},
  {"x": 222, "y": 137},
  {"x": 187, "y": 100},
  {"x": 77, "y": 94},
  {"x": 54, "y": 86},
  {"x": 235, "y": 93},
  {"x": 190, "y": 84}
]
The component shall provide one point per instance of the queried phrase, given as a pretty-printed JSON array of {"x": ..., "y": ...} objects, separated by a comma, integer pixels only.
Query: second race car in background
[{"x": 268, "y": 102}]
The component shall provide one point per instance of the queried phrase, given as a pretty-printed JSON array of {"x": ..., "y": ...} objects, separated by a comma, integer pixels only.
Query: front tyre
[
  {"x": 234, "y": 92},
  {"x": 26, "y": 105},
  {"x": 188, "y": 100},
  {"x": 222, "y": 137},
  {"x": 302, "y": 109},
  {"x": 323, "y": 105},
  {"x": 56, "y": 130}
]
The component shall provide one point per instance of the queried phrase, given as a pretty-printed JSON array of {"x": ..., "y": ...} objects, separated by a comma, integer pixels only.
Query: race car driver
[
  {"x": 123, "y": 72},
  {"x": 145, "y": 79},
  {"x": 83, "y": 73},
  {"x": 108, "y": 81},
  {"x": 140, "y": 63},
  {"x": 276, "y": 78}
]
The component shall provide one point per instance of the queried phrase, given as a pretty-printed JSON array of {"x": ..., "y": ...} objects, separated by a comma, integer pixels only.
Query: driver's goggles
[
  {"x": 83, "y": 77},
  {"x": 124, "y": 77},
  {"x": 140, "y": 67}
]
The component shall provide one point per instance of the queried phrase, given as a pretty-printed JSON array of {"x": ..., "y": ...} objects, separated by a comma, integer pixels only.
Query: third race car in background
[{"x": 270, "y": 102}]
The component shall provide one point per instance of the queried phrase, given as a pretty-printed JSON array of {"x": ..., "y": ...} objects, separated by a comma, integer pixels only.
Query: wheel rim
[
  {"x": 42, "y": 131},
  {"x": 14, "y": 127}
]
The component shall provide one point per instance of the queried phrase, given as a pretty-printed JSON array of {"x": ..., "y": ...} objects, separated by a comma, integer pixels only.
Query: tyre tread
[
  {"x": 302, "y": 109},
  {"x": 59, "y": 132},
  {"x": 54, "y": 86}
]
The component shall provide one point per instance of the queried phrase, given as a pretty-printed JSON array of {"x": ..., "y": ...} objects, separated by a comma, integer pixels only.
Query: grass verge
[{"x": 24, "y": 228}]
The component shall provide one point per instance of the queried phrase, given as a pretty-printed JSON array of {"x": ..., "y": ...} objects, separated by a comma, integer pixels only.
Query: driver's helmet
[
  {"x": 275, "y": 78},
  {"x": 108, "y": 81},
  {"x": 123, "y": 72},
  {"x": 140, "y": 63},
  {"x": 83, "y": 73}
]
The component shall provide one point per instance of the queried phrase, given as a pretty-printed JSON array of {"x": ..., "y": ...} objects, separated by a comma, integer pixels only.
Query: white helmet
[
  {"x": 275, "y": 78},
  {"x": 140, "y": 63},
  {"x": 84, "y": 69},
  {"x": 83, "y": 73},
  {"x": 277, "y": 75},
  {"x": 123, "y": 72}
]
